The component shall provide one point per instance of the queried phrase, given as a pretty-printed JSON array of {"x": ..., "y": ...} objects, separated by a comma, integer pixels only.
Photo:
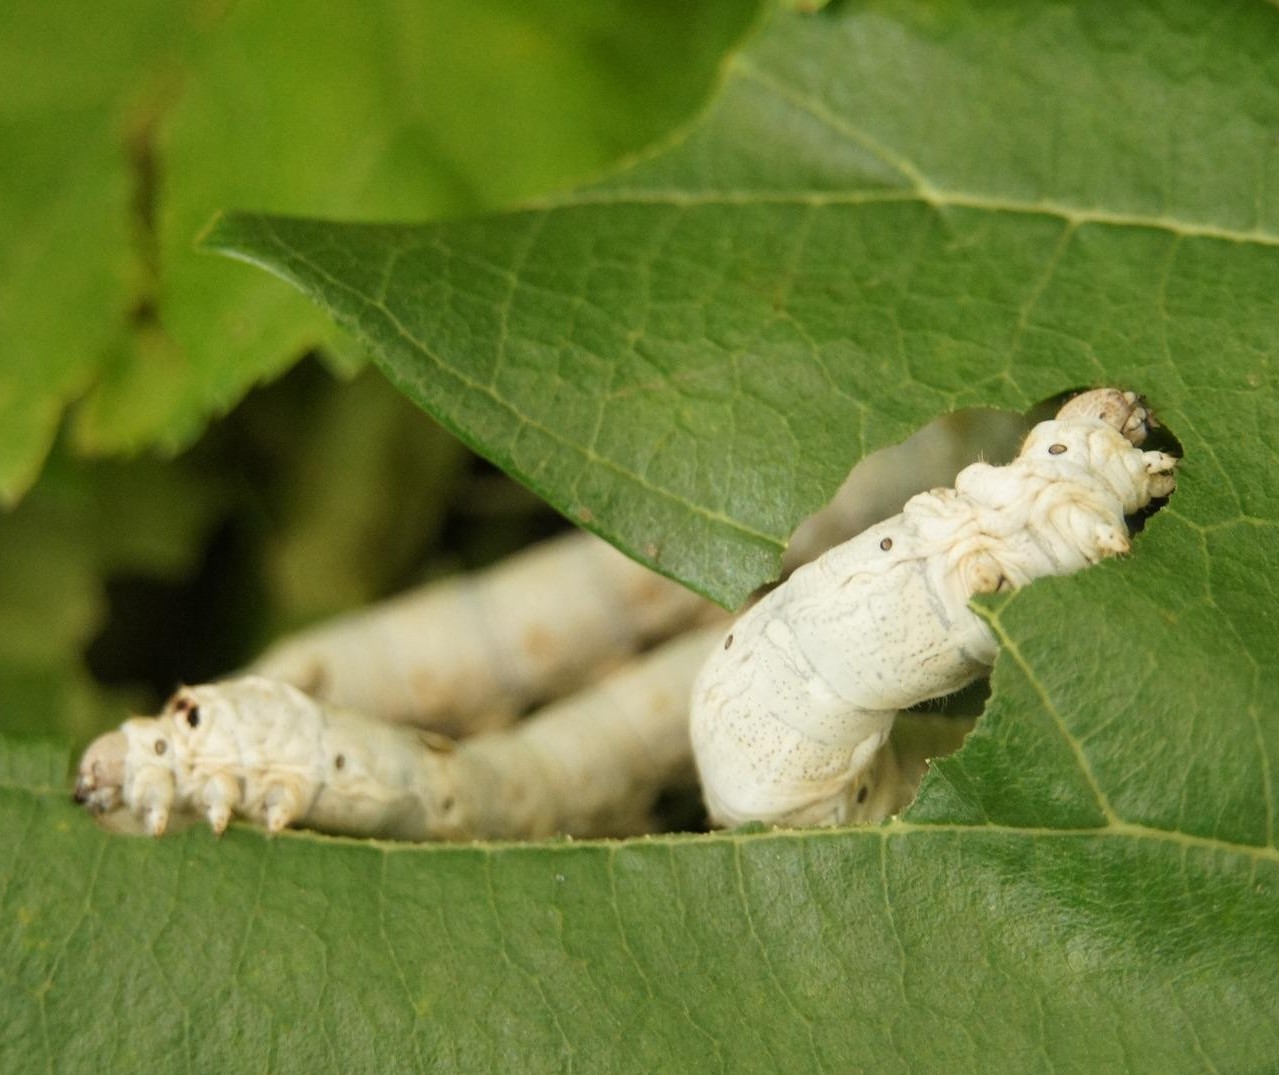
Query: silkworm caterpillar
[
  {"x": 472, "y": 653},
  {"x": 791, "y": 711},
  {"x": 260, "y": 749}
]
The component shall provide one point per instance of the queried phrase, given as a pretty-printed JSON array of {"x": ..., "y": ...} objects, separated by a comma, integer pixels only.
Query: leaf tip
[
  {"x": 218, "y": 235},
  {"x": 241, "y": 237}
]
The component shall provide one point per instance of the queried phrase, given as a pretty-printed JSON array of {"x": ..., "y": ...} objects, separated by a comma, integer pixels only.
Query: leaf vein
[{"x": 590, "y": 458}]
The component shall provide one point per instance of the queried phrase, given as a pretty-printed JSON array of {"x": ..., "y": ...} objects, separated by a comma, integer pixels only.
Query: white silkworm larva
[
  {"x": 471, "y": 653},
  {"x": 791, "y": 711},
  {"x": 257, "y": 748}
]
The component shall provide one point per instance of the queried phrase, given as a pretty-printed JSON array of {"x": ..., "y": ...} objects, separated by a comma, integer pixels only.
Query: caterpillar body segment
[
  {"x": 472, "y": 653},
  {"x": 775, "y": 736},
  {"x": 790, "y": 713},
  {"x": 262, "y": 750},
  {"x": 593, "y": 764}
]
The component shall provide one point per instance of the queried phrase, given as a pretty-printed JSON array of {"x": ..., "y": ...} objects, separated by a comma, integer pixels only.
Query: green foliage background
[
  {"x": 123, "y": 132},
  {"x": 890, "y": 209}
]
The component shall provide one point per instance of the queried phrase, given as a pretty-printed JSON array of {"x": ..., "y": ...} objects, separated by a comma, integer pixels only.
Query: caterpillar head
[
  {"x": 133, "y": 767},
  {"x": 1125, "y": 412},
  {"x": 100, "y": 779}
]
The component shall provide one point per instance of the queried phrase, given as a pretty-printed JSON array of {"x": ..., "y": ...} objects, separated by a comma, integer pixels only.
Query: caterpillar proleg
[{"x": 791, "y": 711}]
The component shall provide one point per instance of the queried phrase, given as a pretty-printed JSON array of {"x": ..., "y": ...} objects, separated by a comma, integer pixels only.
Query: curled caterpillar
[
  {"x": 260, "y": 749},
  {"x": 791, "y": 711}
]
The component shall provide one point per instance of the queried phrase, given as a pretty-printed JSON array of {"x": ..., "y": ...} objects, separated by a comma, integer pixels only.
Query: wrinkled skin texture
[
  {"x": 790, "y": 713},
  {"x": 261, "y": 749},
  {"x": 471, "y": 653}
]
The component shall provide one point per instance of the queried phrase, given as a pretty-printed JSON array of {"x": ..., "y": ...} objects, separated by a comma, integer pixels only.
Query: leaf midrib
[
  {"x": 921, "y": 190},
  {"x": 939, "y": 200}
]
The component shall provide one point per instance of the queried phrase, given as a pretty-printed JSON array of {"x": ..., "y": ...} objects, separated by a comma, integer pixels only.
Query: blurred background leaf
[
  {"x": 126, "y": 126},
  {"x": 123, "y": 128}
]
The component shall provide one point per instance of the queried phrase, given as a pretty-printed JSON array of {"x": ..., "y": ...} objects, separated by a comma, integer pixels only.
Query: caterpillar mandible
[{"x": 790, "y": 712}]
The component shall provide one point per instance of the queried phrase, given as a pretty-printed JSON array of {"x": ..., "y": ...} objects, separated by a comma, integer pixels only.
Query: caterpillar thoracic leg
[
  {"x": 261, "y": 749},
  {"x": 791, "y": 711},
  {"x": 471, "y": 653}
]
